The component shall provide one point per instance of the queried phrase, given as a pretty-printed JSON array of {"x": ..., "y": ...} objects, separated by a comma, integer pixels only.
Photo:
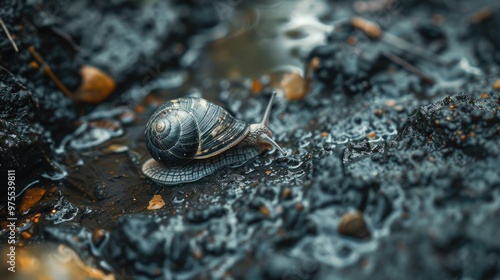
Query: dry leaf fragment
[
  {"x": 156, "y": 202},
  {"x": 31, "y": 197}
]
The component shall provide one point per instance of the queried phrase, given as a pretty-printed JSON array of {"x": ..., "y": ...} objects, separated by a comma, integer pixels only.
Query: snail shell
[{"x": 190, "y": 138}]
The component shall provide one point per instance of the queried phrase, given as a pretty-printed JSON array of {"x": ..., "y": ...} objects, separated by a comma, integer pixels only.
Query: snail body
[{"x": 190, "y": 138}]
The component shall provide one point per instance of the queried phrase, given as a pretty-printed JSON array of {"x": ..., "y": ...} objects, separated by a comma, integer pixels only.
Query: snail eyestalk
[
  {"x": 266, "y": 137},
  {"x": 269, "y": 140},
  {"x": 267, "y": 113}
]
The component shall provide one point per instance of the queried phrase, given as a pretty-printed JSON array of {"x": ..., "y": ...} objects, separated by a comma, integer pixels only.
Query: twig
[
  {"x": 371, "y": 29},
  {"x": 8, "y": 35},
  {"x": 66, "y": 37},
  {"x": 407, "y": 46},
  {"x": 410, "y": 68},
  {"x": 51, "y": 74},
  {"x": 480, "y": 16},
  {"x": 375, "y": 32}
]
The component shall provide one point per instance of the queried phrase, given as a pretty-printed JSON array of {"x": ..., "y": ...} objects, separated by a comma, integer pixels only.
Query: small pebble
[
  {"x": 353, "y": 224},
  {"x": 264, "y": 211},
  {"x": 98, "y": 236},
  {"x": 286, "y": 193},
  {"x": 496, "y": 85},
  {"x": 399, "y": 108},
  {"x": 26, "y": 235}
]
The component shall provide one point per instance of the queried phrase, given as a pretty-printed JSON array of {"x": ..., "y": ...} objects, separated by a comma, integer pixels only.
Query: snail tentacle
[
  {"x": 267, "y": 139},
  {"x": 267, "y": 113}
]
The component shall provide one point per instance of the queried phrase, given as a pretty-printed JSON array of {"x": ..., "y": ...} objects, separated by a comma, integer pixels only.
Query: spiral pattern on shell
[
  {"x": 191, "y": 128},
  {"x": 172, "y": 136}
]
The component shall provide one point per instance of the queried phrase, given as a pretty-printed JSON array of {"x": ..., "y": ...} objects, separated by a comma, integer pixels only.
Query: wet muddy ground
[{"x": 388, "y": 112}]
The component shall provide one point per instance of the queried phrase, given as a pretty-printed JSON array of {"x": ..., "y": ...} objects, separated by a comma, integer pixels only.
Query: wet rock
[
  {"x": 379, "y": 209},
  {"x": 278, "y": 267},
  {"x": 358, "y": 150},
  {"x": 458, "y": 121},
  {"x": 100, "y": 190},
  {"x": 296, "y": 222},
  {"x": 138, "y": 241},
  {"x": 19, "y": 137},
  {"x": 338, "y": 66},
  {"x": 249, "y": 217},
  {"x": 179, "y": 253},
  {"x": 203, "y": 215},
  {"x": 19, "y": 134},
  {"x": 16, "y": 101},
  {"x": 450, "y": 252},
  {"x": 65, "y": 211},
  {"x": 216, "y": 247}
]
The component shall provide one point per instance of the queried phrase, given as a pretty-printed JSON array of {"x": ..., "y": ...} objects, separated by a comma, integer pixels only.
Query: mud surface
[{"x": 393, "y": 155}]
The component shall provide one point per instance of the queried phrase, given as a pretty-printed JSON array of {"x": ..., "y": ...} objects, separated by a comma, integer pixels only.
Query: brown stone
[{"x": 353, "y": 224}]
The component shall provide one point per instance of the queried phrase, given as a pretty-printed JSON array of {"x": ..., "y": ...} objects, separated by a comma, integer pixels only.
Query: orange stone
[
  {"x": 391, "y": 102},
  {"x": 353, "y": 224},
  {"x": 496, "y": 85},
  {"x": 264, "y": 211},
  {"x": 294, "y": 86},
  {"x": 256, "y": 86},
  {"x": 96, "y": 85}
]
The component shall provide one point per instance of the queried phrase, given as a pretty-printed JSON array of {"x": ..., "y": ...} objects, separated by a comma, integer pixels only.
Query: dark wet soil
[{"x": 393, "y": 161}]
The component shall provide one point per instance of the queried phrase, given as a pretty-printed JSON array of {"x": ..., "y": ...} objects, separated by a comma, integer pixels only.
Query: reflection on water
[{"x": 264, "y": 39}]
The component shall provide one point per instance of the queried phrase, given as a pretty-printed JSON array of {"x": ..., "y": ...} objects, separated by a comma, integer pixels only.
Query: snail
[{"x": 190, "y": 138}]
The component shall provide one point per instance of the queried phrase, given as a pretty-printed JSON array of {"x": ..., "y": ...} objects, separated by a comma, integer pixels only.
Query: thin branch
[
  {"x": 8, "y": 35},
  {"x": 410, "y": 68},
  {"x": 51, "y": 74}
]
